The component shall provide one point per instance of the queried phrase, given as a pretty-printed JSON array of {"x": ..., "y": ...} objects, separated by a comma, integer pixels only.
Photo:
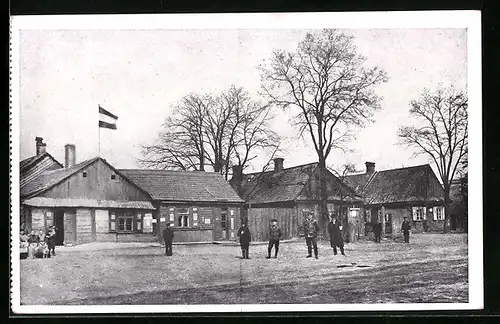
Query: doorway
[{"x": 59, "y": 224}]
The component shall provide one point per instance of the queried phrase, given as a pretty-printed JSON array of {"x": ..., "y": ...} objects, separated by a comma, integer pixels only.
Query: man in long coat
[
  {"x": 405, "y": 228},
  {"x": 377, "y": 231},
  {"x": 274, "y": 238},
  {"x": 245, "y": 239},
  {"x": 335, "y": 235},
  {"x": 311, "y": 233},
  {"x": 168, "y": 237}
]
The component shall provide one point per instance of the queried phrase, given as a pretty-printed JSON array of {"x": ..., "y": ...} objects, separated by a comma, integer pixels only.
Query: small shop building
[
  {"x": 390, "y": 195},
  {"x": 201, "y": 206},
  {"x": 89, "y": 201}
]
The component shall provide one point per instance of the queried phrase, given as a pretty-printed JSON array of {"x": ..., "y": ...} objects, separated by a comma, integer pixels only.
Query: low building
[
  {"x": 289, "y": 194},
  {"x": 201, "y": 206},
  {"x": 414, "y": 192},
  {"x": 88, "y": 201}
]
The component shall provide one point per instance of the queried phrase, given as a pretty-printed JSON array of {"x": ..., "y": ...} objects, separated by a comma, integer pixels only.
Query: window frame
[{"x": 183, "y": 217}]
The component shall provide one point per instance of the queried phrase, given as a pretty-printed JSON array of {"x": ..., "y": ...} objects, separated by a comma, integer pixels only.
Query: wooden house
[
  {"x": 414, "y": 192},
  {"x": 289, "y": 194},
  {"x": 89, "y": 201},
  {"x": 201, "y": 206},
  {"x": 33, "y": 166}
]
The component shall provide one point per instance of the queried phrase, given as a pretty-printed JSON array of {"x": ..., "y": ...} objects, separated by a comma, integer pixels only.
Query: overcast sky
[{"x": 138, "y": 74}]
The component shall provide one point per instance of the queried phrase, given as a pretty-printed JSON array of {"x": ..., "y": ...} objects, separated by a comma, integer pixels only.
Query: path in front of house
[{"x": 432, "y": 268}]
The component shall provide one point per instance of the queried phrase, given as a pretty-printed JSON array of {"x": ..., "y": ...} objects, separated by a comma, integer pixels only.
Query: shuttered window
[
  {"x": 112, "y": 222},
  {"x": 419, "y": 213}
]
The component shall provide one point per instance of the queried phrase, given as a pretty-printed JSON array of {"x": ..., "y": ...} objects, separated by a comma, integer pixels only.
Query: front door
[
  {"x": 220, "y": 229},
  {"x": 70, "y": 226},
  {"x": 59, "y": 224}
]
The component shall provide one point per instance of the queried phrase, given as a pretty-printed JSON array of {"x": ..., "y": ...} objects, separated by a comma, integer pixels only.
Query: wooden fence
[{"x": 259, "y": 221}]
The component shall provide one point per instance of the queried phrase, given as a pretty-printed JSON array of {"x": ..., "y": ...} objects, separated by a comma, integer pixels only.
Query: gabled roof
[
  {"x": 188, "y": 186},
  {"x": 394, "y": 185},
  {"x": 29, "y": 162},
  {"x": 270, "y": 186},
  {"x": 49, "y": 179},
  {"x": 289, "y": 184}
]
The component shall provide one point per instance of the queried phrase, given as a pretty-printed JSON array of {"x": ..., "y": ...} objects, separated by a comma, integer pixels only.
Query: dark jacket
[
  {"x": 275, "y": 233},
  {"x": 377, "y": 228},
  {"x": 405, "y": 227},
  {"x": 50, "y": 237},
  {"x": 335, "y": 234},
  {"x": 244, "y": 235},
  {"x": 311, "y": 228},
  {"x": 33, "y": 239},
  {"x": 168, "y": 234}
]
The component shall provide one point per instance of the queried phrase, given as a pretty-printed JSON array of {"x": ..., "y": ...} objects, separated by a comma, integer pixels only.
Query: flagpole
[{"x": 99, "y": 136}]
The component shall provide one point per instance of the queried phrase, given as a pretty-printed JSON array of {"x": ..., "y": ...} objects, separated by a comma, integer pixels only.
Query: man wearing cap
[
  {"x": 168, "y": 237},
  {"x": 405, "y": 228},
  {"x": 311, "y": 233},
  {"x": 274, "y": 238},
  {"x": 335, "y": 235},
  {"x": 245, "y": 238}
]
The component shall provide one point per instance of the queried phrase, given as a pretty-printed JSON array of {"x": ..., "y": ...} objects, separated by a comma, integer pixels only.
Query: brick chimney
[
  {"x": 278, "y": 164},
  {"x": 41, "y": 147},
  {"x": 370, "y": 167},
  {"x": 69, "y": 155}
]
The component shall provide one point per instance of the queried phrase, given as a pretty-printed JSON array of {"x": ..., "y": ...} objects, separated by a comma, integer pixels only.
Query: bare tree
[
  {"x": 181, "y": 144},
  {"x": 325, "y": 84},
  {"x": 213, "y": 130},
  {"x": 441, "y": 133}
]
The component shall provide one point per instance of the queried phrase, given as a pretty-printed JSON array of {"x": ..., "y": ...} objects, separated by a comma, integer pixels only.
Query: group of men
[{"x": 311, "y": 230}]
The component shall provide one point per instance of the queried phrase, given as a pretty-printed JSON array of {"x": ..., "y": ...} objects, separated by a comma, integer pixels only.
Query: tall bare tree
[
  {"x": 214, "y": 131},
  {"x": 441, "y": 132},
  {"x": 324, "y": 82}
]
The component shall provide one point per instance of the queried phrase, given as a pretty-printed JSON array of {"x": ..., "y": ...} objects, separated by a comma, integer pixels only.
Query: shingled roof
[
  {"x": 32, "y": 167},
  {"x": 394, "y": 185},
  {"x": 285, "y": 185},
  {"x": 189, "y": 186}
]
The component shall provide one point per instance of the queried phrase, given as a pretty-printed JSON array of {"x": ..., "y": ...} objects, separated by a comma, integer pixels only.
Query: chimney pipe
[
  {"x": 41, "y": 147},
  {"x": 370, "y": 167},
  {"x": 278, "y": 164},
  {"x": 69, "y": 155}
]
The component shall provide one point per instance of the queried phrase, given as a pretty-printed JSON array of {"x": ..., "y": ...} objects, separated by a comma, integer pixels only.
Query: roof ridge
[
  {"x": 289, "y": 168},
  {"x": 173, "y": 171}
]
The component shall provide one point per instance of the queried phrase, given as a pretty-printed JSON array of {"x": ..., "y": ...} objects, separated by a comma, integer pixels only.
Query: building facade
[
  {"x": 390, "y": 195},
  {"x": 201, "y": 206}
]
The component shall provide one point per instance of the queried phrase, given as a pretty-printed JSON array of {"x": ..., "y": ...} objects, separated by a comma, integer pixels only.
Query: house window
[
  {"x": 113, "y": 176},
  {"x": 125, "y": 222},
  {"x": 418, "y": 213},
  {"x": 183, "y": 217},
  {"x": 112, "y": 222},
  {"x": 84, "y": 174},
  {"x": 439, "y": 213},
  {"x": 223, "y": 218}
]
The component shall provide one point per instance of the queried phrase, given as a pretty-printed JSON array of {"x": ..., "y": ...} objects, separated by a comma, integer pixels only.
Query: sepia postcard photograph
[{"x": 246, "y": 162}]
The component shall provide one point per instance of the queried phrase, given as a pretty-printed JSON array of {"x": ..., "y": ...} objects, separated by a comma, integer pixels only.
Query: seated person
[
  {"x": 33, "y": 241},
  {"x": 42, "y": 250}
]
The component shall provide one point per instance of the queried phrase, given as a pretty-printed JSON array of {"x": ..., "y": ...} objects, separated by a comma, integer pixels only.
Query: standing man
[
  {"x": 405, "y": 228},
  {"x": 245, "y": 238},
  {"x": 274, "y": 238},
  {"x": 335, "y": 235},
  {"x": 51, "y": 240},
  {"x": 377, "y": 230},
  {"x": 311, "y": 232},
  {"x": 168, "y": 237}
]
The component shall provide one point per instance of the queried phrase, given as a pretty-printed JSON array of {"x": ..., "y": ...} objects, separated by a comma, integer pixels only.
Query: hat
[{"x": 274, "y": 220}]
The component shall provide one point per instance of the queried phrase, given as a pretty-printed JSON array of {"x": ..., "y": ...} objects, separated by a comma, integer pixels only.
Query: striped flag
[{"x": 107, "y": 119}]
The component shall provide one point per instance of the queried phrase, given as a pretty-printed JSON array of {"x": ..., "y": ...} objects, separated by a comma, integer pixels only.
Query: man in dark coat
[
  {"x": 405, "y": 228},
  {"x": 168, "y": 237},
  {"x": 245, "y": 239},
  {"x": 274, "y": 238},
  {"x": 377, "y": 230},
  {"x": 311, "y": 233},
  {"x": 51, "y": 240},
  {"x": 335, "y": 235}
]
